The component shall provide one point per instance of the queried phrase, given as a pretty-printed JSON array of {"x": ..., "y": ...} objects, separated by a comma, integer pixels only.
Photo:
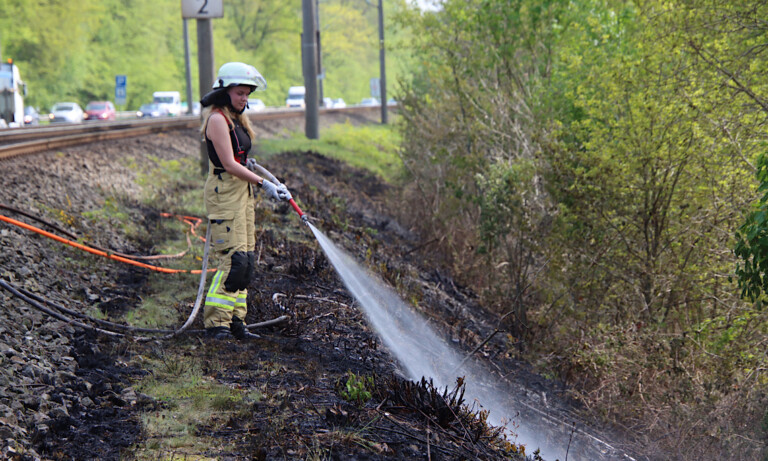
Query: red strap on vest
[{"x": 240, "y": 155}]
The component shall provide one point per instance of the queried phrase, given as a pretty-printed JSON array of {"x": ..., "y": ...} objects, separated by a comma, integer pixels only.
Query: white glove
[
  {"x": 283, "y": 192},
  {"x": 252, "y": 165},
  {"x": 270, "y": 189}
]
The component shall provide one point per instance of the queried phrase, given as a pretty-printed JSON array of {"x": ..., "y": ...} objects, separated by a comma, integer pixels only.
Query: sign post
[
  {"x": 120, "y": 90},
  {"x": 382, "y": 66},
  {"x": 203, "y": 11}
]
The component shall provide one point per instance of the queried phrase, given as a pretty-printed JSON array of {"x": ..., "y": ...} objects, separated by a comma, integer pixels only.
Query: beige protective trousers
[{"x": 229, "y": 204}]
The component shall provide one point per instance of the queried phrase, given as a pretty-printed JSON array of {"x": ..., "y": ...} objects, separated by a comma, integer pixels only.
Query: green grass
[
  {"x": 371, "y": 147},
  {"x": 113, "y": 212},
  {"x": 190, "y": 399},
  {"x": 166, "y": 291},
  {"x": 174, "y": 186}
]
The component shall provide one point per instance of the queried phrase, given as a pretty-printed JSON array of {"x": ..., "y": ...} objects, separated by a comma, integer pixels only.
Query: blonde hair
[{"x": 242, "y": 119}]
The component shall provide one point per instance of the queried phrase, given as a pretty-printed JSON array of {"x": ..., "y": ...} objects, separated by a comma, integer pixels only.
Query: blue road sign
[{"x": 120, "y": 92}]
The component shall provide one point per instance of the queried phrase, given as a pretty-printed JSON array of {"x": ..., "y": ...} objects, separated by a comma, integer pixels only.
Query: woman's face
[{"x": 239, "y": 96}]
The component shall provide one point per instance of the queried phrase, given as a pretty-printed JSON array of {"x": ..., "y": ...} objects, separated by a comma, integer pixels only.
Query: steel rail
[
  {"x": 65, "y": 129},
  {"x": 27, "y": 140},
  {"x": 31, "y": 140}
]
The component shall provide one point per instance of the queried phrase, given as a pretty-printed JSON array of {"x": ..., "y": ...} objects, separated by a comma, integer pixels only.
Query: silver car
[
  {"x": 370, "y": 102},
  {"x": 255, "y": 105},
  {"x": 66, "y": 112},
  {"x": 151, "y": 110}
]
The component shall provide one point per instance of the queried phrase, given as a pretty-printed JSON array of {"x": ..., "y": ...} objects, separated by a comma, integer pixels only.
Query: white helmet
[{"x": 238, "y": 73}]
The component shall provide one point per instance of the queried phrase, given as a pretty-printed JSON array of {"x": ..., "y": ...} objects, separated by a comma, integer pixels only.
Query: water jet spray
[{"x": 422, "y": 352}]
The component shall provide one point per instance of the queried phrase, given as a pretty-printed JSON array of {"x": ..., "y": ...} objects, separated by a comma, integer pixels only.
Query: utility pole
[
  {"x": 206, "y": 72},
  {"x": 205, "y": 66},
  {"x": 320, "y": 71},
  {"x": 187, "y": 66},
  {"x": 203, "y": 11},
  {"x": 382, "y": 66},
  {"x": 309, "y": 65}
]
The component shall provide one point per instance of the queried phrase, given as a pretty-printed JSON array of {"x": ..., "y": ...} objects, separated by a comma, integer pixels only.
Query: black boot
[
  {"x": 218, "y": 333},
  {"x": 240, "y": 332}
]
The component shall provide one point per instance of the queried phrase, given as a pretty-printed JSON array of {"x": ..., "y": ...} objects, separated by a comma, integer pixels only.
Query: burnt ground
[{"x": 68, "y": 393}]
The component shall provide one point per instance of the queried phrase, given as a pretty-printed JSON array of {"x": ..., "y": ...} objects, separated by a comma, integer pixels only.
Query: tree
[
  {"x": 605, "y": 183},
  {"x": 255, "y": 23},
  {"x": 471, "y": 141}
]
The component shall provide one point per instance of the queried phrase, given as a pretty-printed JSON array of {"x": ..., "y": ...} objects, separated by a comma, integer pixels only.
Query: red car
[{"x": 100, "y": 110}]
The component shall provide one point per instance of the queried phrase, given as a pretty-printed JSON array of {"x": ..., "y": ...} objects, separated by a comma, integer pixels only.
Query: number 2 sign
[{"x": 202, "y": 9}]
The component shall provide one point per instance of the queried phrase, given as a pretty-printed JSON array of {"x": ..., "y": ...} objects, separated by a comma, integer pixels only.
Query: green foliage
[
  {"x": 752, "y": 242},
  {"x": 470, "y": 139},
  {"x": 357, "y": 389},
  {"x": 507, "y": 233}
]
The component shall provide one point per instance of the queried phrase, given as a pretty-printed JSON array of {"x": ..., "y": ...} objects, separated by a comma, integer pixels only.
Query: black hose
[
  {"x": 105, "y": 323},
  {"x": 54, "y": 314},
  {"x": 40, "y": 220}
]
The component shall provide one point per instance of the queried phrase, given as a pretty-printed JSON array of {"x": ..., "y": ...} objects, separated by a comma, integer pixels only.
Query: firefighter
[{"x": 229, "y": 190}]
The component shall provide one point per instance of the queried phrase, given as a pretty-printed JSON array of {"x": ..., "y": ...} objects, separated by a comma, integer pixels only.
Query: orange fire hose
[
  {"x": 99, "y": 252},
  {"x": 192, "y": 221}
]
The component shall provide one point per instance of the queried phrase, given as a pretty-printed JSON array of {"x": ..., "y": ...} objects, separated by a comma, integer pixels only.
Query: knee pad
[{"x": 238, "y": 277}]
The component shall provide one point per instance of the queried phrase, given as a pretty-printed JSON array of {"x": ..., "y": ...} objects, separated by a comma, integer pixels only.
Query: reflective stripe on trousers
[{"x": 229, "y": 205}]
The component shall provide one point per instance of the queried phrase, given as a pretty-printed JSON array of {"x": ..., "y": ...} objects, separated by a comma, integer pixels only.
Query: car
[
  {"x": 3, "y": 123},
  {"x": 100, "y": 110},
  {"x": 66, "y": 112},
  {"x": 170, "y": 102},
  {"x": 370, "y": 102},
  {"x": 151, "y": 110},
  {"x": 255, "y": 105},
  {"x": 296, "y": 97},
  {"x": 339, "y": 103},
  {"x": 195, "y": 108},
  {"x": 31, "y": 116}
]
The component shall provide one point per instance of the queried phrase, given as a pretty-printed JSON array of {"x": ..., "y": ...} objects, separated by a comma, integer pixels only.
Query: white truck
[
  {"x": 169, "y": 102},
  {"x": 12, "y": 92},
  {"x": 296, "y": 97}
]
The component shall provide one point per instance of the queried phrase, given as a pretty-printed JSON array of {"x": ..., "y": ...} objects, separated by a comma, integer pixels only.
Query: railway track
[{"x": 29, "y": 140}]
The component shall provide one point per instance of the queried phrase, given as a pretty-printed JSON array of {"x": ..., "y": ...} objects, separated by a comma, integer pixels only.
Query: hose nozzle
[{"x": 302, "y": 215}]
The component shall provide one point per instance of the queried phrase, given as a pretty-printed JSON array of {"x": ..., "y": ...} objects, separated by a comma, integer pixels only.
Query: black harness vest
[{"x": 241, "y": 144}]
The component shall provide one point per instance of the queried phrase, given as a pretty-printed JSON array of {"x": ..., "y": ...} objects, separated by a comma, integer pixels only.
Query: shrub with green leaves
[
  {"x": 752, "y": 242},
  {"x": 357, "y": 389}
]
